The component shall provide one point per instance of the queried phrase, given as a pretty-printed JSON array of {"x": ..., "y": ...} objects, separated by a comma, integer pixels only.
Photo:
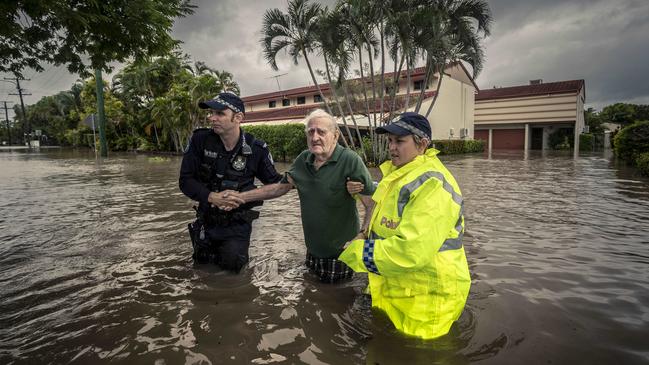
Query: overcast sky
[{"x": 606, "y": 43}]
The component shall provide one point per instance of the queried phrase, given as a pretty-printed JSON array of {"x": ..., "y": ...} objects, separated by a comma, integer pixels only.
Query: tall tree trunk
[
  {"x": 408, "y": 71},
  {"x": 439, "y": 84},
  {"x": 367, "y": 103},
  {"x": 157, "y": 140},
  {"x": 395, "y": 86},
  {"x": 382, "y": 141},
  {"x": 340, "y": 109},
  {"x": 351, "y": 111},
  {"x": 428, "y": 71},
  {"x": 317, "y": 85},
  {"x": 374, "y": 139}
]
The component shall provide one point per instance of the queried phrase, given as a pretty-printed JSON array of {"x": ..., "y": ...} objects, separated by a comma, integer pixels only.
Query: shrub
[
  {"x": 456, "y": 146},
  {"x": 73, "y": 137},
  {"x": 284, "y": 141},
  {"x": 643, "y": 163},
  {"x": 586, "y": 142},
  {"x": 631, "y": 141},
  {"x": 144, "y": 145},
  {"x": 127, "y": 142}
]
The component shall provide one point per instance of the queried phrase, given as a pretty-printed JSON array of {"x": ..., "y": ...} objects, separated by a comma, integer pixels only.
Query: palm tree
[
  {"x": 332, "y": 39},
  {"x": 458, "y": 29},
  {"x": 295, "y": 32}
]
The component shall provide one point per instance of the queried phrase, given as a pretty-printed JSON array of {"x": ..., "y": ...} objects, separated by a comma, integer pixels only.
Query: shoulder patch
[{"x": 261, "y": 143}]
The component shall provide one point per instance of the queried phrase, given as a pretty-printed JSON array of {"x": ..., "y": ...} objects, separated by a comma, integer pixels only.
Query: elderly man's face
[{"x": 320, "y": 137}]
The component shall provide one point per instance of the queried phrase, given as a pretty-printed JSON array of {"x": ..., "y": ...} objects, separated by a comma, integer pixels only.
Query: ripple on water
[{"x": 95, "y": 267}]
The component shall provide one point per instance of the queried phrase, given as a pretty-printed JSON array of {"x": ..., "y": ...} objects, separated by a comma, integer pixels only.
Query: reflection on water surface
[{"x": 95, "y": 267}]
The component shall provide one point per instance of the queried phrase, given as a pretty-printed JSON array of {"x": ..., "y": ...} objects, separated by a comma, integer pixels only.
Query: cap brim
[
  {"x": 393, "y": 129},
  {"x": 211, "y": 104}
]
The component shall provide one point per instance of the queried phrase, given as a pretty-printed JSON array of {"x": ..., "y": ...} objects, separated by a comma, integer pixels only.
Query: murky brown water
[{"x": 95, "y": 268}]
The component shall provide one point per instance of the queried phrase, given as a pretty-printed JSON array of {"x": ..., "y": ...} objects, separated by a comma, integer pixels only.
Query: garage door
[
  {"x": 508, "y": 139},
  {"x": 481, "y": 134}
]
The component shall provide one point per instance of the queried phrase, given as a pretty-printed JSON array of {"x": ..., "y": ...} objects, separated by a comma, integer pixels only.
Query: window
[
  {"x": 301, "y": 99},
  {"x": 286, "y": 102},
  {"x": 272, "y": 104},
  {"x": 419, "y": 84},
  {"x": 317, "y": 98}
]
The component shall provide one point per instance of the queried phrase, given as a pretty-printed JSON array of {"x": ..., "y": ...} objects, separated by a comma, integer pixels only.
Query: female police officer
[{"x": 418, "y": 273}]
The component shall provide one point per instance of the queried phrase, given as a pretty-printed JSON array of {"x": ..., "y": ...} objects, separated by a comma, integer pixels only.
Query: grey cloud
[{"x": 604, "y": 43}]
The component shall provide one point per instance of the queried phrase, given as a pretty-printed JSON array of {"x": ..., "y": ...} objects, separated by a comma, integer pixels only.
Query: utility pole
[
  {"x": 26, "y": 127},
  {"x": 100, "y": 113},
  {"x": 7, "y": 120}
]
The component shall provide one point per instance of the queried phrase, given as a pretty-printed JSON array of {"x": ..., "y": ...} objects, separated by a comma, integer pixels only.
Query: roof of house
[
  {"x": 560, "y": 87},
  {"x": 419, "y": 71},
  {"x": 301, "y": 111},
  {"x": 294, "y": 112}
]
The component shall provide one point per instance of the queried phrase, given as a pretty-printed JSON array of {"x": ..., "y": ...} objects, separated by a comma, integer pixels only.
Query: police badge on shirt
[{"x": 239, "y": 163}]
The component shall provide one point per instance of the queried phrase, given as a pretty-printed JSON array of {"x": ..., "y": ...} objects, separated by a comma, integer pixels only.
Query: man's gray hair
[{"x": 319, "y": 113}]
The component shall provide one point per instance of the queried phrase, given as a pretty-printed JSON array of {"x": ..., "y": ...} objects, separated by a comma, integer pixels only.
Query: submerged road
[{"x": 95, "y": 268}]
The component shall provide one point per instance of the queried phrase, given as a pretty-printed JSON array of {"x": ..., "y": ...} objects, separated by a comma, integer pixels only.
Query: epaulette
[{"x": 261, "y": 143}]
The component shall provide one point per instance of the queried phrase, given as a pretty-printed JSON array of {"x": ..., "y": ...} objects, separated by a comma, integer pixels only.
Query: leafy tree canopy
[
  {"x": 84, "y": 34},
  {"x": 624, "y": 114}
]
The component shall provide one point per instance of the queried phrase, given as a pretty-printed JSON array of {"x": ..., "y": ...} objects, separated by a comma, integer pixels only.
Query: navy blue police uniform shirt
[{"x": 259, "y": 164}]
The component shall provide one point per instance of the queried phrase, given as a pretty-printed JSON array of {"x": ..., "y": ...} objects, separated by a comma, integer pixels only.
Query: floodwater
[{"x": 95, "y": 268}]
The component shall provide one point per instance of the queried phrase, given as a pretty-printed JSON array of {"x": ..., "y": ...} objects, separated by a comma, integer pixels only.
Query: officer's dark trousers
[{"x": 226, "y": 246}]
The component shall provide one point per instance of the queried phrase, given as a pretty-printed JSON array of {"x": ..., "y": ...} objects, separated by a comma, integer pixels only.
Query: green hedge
[
  {"x": 457, "y": 146},
  {"x": 586, "y": 141},
  {"x": 284, "y": 141},
  {"x": 631, "y": 141},
  {"x": 643, "y": 163}
]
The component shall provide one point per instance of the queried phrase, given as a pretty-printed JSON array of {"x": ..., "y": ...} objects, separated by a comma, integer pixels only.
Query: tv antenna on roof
[{"x": 276, "y": 77}]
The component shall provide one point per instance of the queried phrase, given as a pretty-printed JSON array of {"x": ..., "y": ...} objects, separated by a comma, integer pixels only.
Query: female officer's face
[{"x": 402, "y": 149}]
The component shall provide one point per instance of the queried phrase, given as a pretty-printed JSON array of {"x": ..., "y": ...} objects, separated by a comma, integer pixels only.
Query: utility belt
[{"x": 217, "y": 217}]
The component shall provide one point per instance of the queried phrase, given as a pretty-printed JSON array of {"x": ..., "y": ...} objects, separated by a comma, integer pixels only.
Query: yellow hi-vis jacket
[{"x": 417, "y": 269}]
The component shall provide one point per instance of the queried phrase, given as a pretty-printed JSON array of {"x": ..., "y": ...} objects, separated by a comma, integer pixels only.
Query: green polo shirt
[{"x": 329, "y": 215}]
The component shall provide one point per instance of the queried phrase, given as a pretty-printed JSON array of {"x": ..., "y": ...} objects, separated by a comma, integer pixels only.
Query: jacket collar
[{"x": 391, "y": 173}]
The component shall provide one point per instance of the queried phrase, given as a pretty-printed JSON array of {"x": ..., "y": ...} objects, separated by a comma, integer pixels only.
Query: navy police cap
[
  {"x": 223, "y": 101},
  {"x": 407, "y": 123}
]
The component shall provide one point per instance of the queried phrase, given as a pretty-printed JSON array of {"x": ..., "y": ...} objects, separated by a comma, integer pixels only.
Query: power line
[
  {"x": 7, "y": 119},
  {"x": 26, "y": 127}
]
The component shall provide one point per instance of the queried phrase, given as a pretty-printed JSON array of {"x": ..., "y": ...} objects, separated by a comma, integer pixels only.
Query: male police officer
[{"x": 218, "y": 160}]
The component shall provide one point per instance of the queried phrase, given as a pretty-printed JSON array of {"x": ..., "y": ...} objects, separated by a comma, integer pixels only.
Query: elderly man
[
  {"x": 329, "y": 215},
  {"x": 218, "y": 159}
]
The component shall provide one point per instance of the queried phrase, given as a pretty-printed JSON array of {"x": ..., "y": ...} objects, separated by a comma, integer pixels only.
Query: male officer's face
[
  {"x": 224, "y": 120},
  {"x": 320, "y": 137}
]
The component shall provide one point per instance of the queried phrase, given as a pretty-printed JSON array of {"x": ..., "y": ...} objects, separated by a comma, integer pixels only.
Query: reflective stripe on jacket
[{"x": 418, "y": 273}]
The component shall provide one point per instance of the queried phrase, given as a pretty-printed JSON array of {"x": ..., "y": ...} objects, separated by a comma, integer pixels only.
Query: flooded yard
[{"x": 95, "y": 267}]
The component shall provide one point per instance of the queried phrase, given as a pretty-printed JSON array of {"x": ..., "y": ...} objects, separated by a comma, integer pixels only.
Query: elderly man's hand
[
  {"x": 225, "y": 200},
  {"x": 359, "y": 236},
  {"x": 354, "y": 187}
]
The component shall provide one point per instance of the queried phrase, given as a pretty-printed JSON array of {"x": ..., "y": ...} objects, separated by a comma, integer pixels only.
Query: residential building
[
  {"x": 523, "y": 117},
  {"x": 451, "y": 116}
]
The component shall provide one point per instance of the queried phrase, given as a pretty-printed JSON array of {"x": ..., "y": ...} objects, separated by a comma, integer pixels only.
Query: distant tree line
[
  {"x": 610, "y": 117},
  {"x": 151, "y": 104}
]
